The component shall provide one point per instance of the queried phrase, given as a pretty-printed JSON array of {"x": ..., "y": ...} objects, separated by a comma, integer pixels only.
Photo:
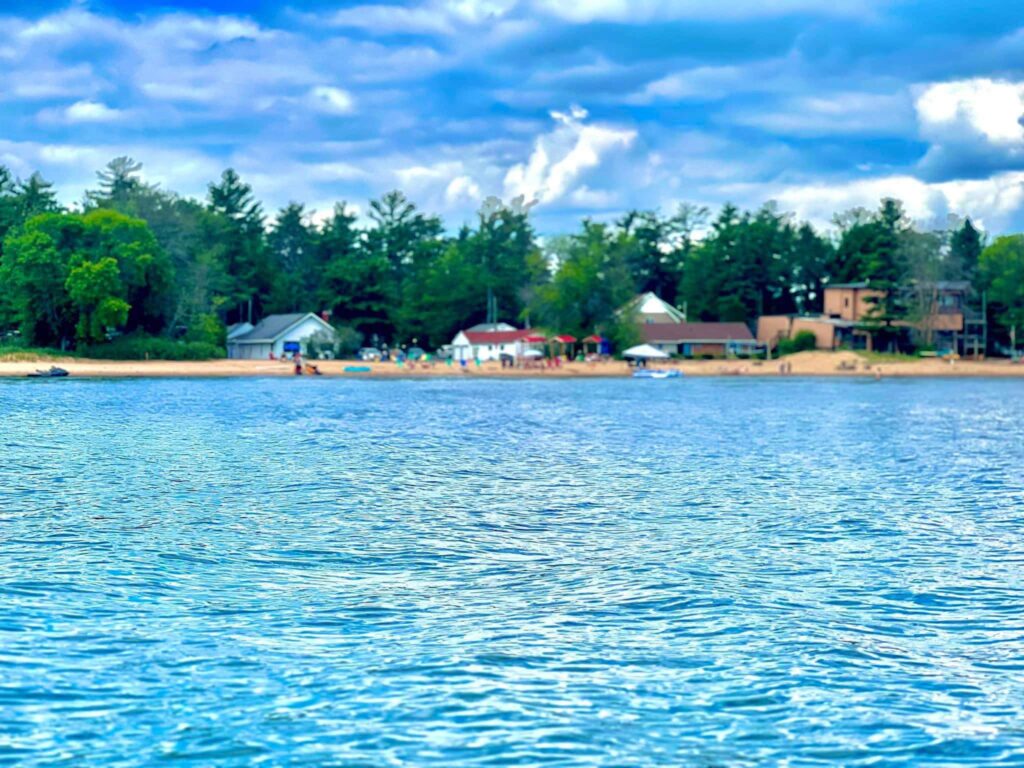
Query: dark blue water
[{"x": 557, "y": 573}]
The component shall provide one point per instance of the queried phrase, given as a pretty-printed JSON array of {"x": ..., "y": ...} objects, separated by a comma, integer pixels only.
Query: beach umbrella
[
  {"x": 533, "y": 353},
  {"x": 645, "y": 352}
]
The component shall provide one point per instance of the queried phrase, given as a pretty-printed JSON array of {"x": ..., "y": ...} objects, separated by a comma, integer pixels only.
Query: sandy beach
[{"x": 842, "y": 364}]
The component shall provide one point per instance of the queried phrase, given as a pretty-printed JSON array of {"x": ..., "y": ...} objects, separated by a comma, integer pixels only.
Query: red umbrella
[
  {"x": 564, "y": 339},
  {"x": 534, "y": 339},
  {"x": 593, "y": 339}
]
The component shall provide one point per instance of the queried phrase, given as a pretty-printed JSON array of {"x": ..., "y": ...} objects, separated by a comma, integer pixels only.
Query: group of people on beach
[{"x": 311, "y": 369}]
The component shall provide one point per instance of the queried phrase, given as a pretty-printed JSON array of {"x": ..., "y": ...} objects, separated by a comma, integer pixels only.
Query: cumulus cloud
[
  {"x": 91, "y": 112},
  {"x": 989, "y": 109},
  {"x": 446, "y": 185},
  {"x": 336, "y": 101},
  {"x": 561, "y": 157},
  {"x": 974, "y": 127},
  {"x": 453, "y": 98},
  {"x": 995, "y": 202},
  {"x": 462, "y": 189}
]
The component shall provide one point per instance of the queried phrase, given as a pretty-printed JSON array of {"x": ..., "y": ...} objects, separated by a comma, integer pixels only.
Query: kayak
[{"x": 53, "y": 373}]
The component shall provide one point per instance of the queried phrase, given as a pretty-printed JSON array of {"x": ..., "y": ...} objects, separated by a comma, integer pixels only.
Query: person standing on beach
[{"x": 297, "y": 359}]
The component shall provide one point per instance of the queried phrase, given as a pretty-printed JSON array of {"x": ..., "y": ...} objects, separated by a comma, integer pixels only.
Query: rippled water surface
[{"x": 620, "y": 573}]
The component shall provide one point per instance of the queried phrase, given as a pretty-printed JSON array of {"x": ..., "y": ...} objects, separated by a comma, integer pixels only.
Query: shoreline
[{"x": 804, "y": 364}]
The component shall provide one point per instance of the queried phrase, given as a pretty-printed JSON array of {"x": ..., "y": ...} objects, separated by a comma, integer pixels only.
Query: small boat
[
  {"x": 648, "y": 373},
  {"x": 52, "y": 373},
  {"x": 358, "y": 369}
]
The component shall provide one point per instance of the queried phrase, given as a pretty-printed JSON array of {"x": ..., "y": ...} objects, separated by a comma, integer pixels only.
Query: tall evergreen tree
[
  {"x": 885, "y": 272},
  {"x": 240, "y": 239},
  {"x": 292, "y": 246},
  {"x": 808, "y": 271},
  {"x": 965, "y": 246},
  {"x": 118, "y": 182},
  {"x": 355, "y": 283}
]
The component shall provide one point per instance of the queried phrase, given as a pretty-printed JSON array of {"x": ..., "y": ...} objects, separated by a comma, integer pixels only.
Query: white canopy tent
[{"x": 645, "y": 352}]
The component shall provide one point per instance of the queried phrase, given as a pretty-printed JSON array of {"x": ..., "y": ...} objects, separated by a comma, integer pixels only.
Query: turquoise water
[{"x": 543, "y": 573}]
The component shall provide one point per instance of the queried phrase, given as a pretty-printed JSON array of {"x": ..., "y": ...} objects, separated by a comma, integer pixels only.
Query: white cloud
[
  {"x": 835, "y": 114},
  {"x": 446, "y": 185},
  {"x": 593, "y": 199},
  {"x": 448, "y": 16},
  {"x": 437, "y": 16},
  {"x": 73, "y": 166},
  {"x": 703, "y": 82},
  {"x": 973, "y": 127},
  {"x": 91, "y": 112},
  {"x": 992, "y": 202},
  {"x": 640, "y": 11},
  {"x": 336, "y": 171},
  {"x": 196, "y": 33},
  {"x": 560, "y": 158},
  {"x": 462, "y": 189},
  {"x": 336, "y": 101},
  {"x": 49, "y": 81},
  {"x": 989, "y": 108}
]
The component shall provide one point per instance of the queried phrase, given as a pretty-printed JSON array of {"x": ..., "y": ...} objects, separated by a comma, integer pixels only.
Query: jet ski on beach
[{"x": 52, "y": 373}]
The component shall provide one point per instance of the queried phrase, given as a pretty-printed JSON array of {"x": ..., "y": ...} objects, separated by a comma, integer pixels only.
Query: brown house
[
  {"x": 829, "y": 332},
  {"x": 942, "y": 318},
  {"x": 700, "y": 339},
  {"x": 849, "y": 301}
]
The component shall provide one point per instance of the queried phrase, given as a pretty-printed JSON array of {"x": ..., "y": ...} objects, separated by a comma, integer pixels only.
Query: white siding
[{"x": 299, "y": 333}]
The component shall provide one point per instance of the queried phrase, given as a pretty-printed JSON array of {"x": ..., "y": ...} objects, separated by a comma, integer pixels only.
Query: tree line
[{"x": 133, "y": 258}]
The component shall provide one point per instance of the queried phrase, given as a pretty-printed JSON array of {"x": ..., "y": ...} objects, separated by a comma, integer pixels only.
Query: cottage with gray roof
[{"x": 280, "y": 335}]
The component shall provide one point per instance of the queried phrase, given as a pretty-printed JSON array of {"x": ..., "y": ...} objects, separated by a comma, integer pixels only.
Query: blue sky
[{"x": 590, "y": 107}]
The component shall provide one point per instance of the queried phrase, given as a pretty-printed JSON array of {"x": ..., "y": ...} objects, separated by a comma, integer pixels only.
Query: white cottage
[
  {"x": 279, "y": 335},
  {"x": 492, "y": 344}
]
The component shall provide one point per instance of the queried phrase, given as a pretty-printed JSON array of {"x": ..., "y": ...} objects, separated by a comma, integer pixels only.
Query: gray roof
[
  {"x": 238, "y": 329},
  {"x": 861, "y": 284},
  {"x": 272, "y": 327},
  {"x": 488, "y": 327}
]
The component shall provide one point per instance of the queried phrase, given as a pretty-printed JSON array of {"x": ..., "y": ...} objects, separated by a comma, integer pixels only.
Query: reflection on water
[{"x": 621, "y": 573}]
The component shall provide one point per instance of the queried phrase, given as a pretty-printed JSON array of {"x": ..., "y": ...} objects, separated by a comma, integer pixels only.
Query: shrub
[
  {"x": 804, "y": 341},
  {"x": 207, "y": 329},
  {"x": 142, "y": 347},
  {"x": 18, "y": 353}
]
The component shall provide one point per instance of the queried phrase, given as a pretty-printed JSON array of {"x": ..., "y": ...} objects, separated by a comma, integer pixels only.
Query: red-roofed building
[{"x": 491, "y": 345}]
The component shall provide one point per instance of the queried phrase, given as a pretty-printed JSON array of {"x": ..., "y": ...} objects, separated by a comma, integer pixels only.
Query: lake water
[{"x": 517, "y": 573}]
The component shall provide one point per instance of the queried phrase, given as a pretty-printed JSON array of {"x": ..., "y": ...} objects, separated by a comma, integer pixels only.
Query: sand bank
[{"x": 846, "y": 364}]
